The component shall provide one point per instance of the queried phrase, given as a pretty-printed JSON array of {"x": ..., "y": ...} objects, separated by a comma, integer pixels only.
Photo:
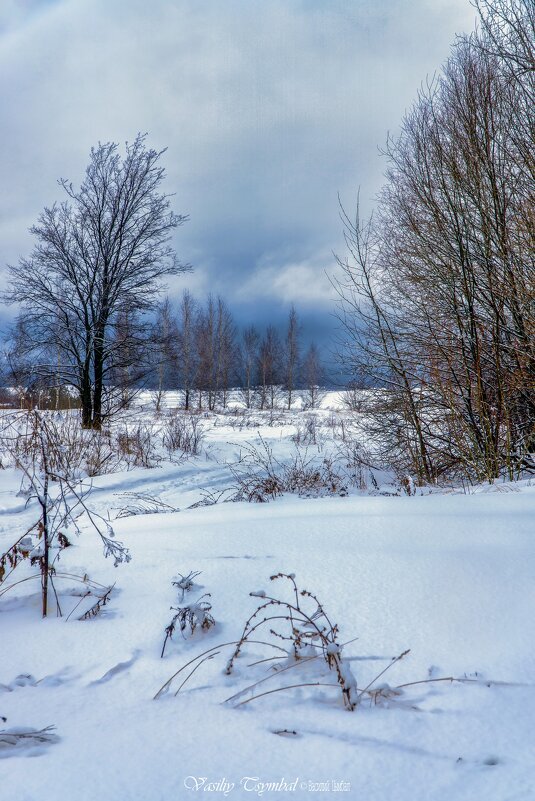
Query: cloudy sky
[{"x": 268, "y": 108}]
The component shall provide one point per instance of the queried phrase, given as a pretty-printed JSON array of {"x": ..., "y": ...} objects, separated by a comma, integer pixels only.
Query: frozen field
[{"x": 447, "y": 575}]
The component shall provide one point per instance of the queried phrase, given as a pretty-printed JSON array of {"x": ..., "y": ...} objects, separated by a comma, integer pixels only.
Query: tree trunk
[
  {"x": 86, "y": 399},
  {"x": 98, "y": 363},
  {"x": 43, "y": 501}
]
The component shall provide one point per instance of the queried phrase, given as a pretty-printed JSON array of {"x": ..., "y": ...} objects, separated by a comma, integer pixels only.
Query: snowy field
[{"x": 448, "y": 575}]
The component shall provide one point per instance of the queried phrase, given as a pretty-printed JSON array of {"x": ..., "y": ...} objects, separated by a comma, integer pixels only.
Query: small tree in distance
[
  {"x": 187, "y": 353},
  {"x": 269, "y": 367},
  {"x": 99, "y": 257},
  {"x": 313, "y": 375},
  {"x": 291, "y": 354},
  {"x": 249, "y": 357}
]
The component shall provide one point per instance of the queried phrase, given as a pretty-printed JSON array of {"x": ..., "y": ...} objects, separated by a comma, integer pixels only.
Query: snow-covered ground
[{"x": 447, "y": 575}]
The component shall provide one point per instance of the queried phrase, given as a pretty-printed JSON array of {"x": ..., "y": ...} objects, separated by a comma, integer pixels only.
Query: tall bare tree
[
  {"x": 205, "y": 330},
  {"x": 187, "y": 352},
  {"x": 292, "y": 347},
  {"x": 249, "y": 357},
  {"x": 226, "y": 349},
  {"x": 313, "y": 375},
  {"x": 269, "y": 367},
  {"x": 165, "y": 337},
  {"x": 99, "y": 254}
]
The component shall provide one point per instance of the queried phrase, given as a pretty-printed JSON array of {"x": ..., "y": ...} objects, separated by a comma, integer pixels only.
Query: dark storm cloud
[{"x": 269, "y": 108}]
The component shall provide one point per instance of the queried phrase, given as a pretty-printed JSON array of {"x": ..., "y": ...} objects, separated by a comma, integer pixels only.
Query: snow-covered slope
[{"x": 448, "y": 576}]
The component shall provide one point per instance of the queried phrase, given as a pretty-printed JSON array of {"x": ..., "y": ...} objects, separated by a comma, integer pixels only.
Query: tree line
[
  {"x": 191, "y": 346},
  {"x": 437, "y": 292},
  {"x": 201, "y": 350}
]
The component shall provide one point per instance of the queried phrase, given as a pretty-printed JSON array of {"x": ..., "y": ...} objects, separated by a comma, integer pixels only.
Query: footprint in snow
[
  {"x": 27, "y": 680},
  {"x": 22, "y": 680},
  {"x": 492, "y": 760},
  {"x": 246, "y": 556},
  {"x": 120, "y": 667}
]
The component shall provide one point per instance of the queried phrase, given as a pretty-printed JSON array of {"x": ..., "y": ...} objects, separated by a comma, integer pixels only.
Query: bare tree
[
  {"x": 291, "y": 354},
  {"x": 313, "y": 375},
  {"x": 374, "y": 346},
  {"x": 205, "y": 330},
  {"x": 187, "y": 353},
  {"x": 226, "y": 351},
  {"x": 249, "y": 358},
  {"x": 269, "y": 367},
  {"x": 165, "y": 337},
  {"x": 99, "y": 254},
  {"x": 509, "y": 26},
  {"x": 216, "y": 351},
  {"x": 133, "y": 350},
  {"x": 437, "y": 293}
]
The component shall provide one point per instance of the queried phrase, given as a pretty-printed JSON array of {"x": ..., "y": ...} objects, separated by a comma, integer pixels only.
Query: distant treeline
[
  {"x": 202, "y": 351},
  {"x": 193, "y": 346}
]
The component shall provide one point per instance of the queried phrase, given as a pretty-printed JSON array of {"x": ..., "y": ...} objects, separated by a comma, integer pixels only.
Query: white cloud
[{"x": 303, "y": 282}]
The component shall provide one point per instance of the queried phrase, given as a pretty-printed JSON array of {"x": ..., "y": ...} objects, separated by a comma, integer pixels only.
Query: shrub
[
  {"x": 261, "y": 477},
  {"x": 301, "y": 632},
  {"x": 307, "y": 431},
  {"x": 38, "y": 453},
  {"x": 183, "y": 432},
  {"x": 136, "y": 445},
  {"x": 193, "y": 615},
  {"x": 72, "y": 451}
]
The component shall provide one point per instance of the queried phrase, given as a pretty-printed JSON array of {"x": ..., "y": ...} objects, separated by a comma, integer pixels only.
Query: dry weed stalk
[
  {"x": 310, "y": 634},
  {"x": 34, "y": 442},
  {"x": 193, "y": 615},
  {"x": 186, "y": 582},
  {"x": 141, "y": 503}
]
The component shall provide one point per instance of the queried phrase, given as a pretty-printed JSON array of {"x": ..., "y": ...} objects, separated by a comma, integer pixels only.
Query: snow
[{"x": 447, "y": 575}]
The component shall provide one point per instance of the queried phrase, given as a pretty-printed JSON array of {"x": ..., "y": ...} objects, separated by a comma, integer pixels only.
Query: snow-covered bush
[
  {"x": 72, "y": 451},
  {"x": 183, "y": 432},
  {"x": 61, "y": 502},
  {"x": 101, "y": 456},
  {"x": 261, "y": 477},
  {"x": 196, "y": 614},
  {"x": 356, "y": 463},
  {"x": 302, "y": 637},
  {"x": 137, "y": 446},
  {"x": 307, "y": 431},
  {"x": 301, "y": 633}
]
